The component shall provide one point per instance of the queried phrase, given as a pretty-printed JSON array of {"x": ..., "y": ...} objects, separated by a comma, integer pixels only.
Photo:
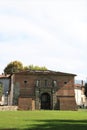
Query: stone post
[
  {"x": 54, "y": 99},
  {"x": 37, "y": 101}
]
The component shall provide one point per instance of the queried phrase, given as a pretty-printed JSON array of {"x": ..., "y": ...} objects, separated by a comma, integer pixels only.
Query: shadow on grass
[
  {"x": 55, "y": 125},
  {"x": 59, "y": 125}
]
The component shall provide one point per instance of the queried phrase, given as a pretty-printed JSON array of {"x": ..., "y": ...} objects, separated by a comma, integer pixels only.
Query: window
[
  {"x": 54, "y": 83},
  {"x": 25, "y": 83},
  {"x": 45, "y": 83},
  {"x": 38, "y": 83},
  {"x": 65, "y": 82}
]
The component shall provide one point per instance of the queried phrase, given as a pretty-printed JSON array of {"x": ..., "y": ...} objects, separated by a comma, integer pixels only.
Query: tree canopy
[
  {"x": 17, "y": 66},
  {"x": 85, "y": 89},
  {"x": 32, "y": 67},
  {"x": 13, "y": 67}
]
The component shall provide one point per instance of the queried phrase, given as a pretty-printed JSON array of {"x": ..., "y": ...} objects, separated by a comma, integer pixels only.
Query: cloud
[{"x": 44, "y": 33}]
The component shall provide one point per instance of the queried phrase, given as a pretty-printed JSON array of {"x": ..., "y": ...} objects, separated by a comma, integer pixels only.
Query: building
[
  {"x": 36, "y": 90},
  {"x": 4, "y": 88},
  {"x": 80, "y": 97}
]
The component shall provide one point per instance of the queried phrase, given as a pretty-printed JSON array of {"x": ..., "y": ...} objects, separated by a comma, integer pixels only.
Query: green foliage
[
  {"x": 32, "y": 67},
  {"x": 85, "y": 89},
  {"x": 43, "y": 120},
  {"x": 12, "y": 67},
  {"x": 17, "y": 66}
]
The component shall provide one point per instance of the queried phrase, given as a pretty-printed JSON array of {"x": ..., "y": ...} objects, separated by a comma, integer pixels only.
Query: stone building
[
  {"x": 36, "y": 90},
  {"x": 80, "y": 97}
]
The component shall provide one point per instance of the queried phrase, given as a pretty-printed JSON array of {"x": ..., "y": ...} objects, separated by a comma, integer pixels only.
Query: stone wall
[{"x": 8, "y": 108}]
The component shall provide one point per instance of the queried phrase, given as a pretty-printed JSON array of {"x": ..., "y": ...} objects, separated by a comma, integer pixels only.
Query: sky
[{"x": 50, "y": 33}]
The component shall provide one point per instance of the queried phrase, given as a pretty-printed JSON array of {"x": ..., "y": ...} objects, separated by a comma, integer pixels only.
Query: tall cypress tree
[{"x": 85, "y": 89}]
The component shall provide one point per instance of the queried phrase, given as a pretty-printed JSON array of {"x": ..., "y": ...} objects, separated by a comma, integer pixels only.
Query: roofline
[
  {"x": 5, "y": 76},
  {"x": 45, "y": 72}
]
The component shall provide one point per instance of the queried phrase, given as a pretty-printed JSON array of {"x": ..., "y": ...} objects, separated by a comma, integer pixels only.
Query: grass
[{"x": 43, "y": 120}]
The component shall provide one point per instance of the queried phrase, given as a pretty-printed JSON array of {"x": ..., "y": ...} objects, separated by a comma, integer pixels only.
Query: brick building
[{"x": 35, "y": 90}]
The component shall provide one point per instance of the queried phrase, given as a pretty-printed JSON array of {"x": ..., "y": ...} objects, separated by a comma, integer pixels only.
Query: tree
[
  {"x": 85, "y": 89},
  {"x": 32, "y": 67},
  {"x": 17, "y": 66},
  {"x": 12, "y": 67}
]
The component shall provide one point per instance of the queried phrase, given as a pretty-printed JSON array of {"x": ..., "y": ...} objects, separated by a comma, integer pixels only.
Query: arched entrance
[{"x": 45, "y": 101}]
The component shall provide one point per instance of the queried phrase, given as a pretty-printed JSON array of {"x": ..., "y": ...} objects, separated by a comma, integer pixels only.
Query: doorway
[{"x": 45, "y": 101}]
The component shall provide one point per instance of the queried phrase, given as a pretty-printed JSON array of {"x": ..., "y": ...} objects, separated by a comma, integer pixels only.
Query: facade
[
  {"x": 4, "y": 88},
  {"x": 80, "y": 97},
  {"x": 48, "y": 90}
]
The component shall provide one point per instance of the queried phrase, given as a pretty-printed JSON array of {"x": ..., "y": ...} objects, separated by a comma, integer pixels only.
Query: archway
[{"x": 45, "y": 101}]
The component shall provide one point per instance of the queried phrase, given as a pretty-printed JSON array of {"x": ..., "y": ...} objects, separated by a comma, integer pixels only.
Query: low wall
[{"x": 8, "y": 108}]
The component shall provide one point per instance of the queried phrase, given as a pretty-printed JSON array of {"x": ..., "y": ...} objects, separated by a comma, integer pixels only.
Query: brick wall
[
  {"x": 28, "y": 91},
  {"x": 25, "y": 104},
  {"x": 67, "y": 103}
]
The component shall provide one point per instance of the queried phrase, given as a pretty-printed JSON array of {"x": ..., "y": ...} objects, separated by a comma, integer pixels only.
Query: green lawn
[{"x": 43, "y": 120}]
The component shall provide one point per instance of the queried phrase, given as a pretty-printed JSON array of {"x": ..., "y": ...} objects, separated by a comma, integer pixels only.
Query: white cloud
[{"x": 51, "y": 33}]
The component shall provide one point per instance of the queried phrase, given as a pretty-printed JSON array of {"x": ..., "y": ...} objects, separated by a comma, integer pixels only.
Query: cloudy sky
[{"x": 51, "y": 33}]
